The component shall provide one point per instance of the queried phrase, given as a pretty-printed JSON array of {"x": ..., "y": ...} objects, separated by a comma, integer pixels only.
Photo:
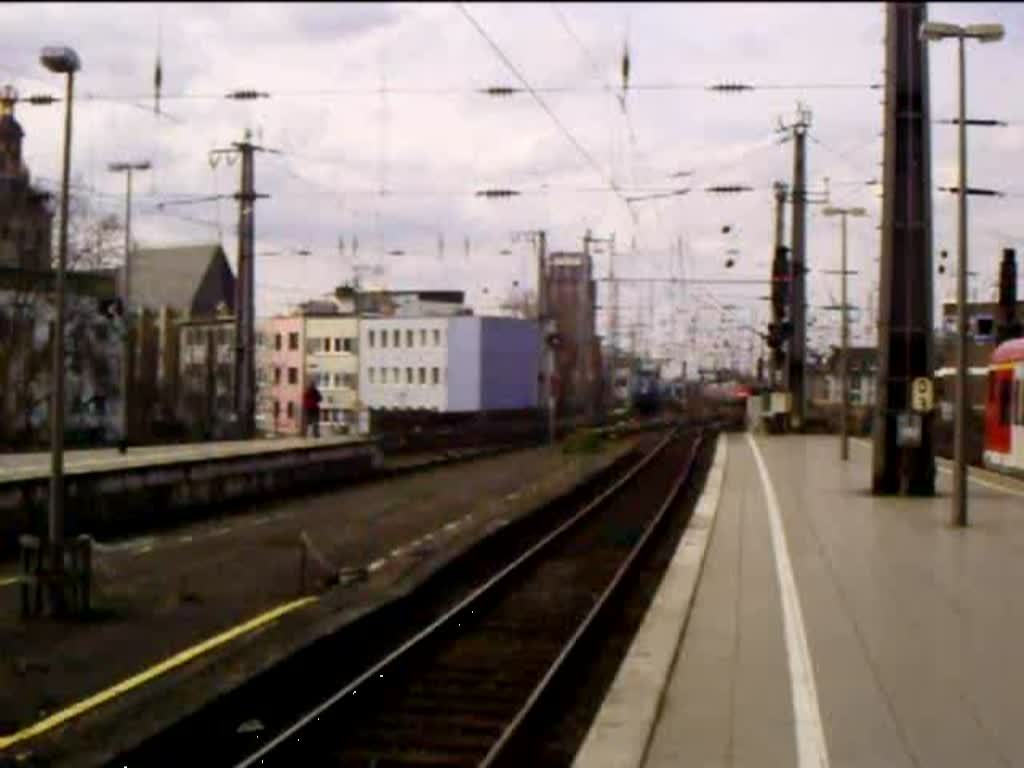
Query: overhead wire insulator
[
  {"x": 40, "y": 99},
  {"x": 247, "y": 95},
  {"x": 728, "y": 188},
  {"x": 501, "y": 90},
  {"x": 497, "y": 193},
  {"x": 730, "y": 87}
]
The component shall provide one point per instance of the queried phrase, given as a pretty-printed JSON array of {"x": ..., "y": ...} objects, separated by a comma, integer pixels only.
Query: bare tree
[{"x": 25, "y": 334}]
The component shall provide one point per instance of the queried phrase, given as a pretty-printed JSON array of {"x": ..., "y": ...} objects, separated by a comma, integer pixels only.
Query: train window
[{"x": 1004, "y": 401}]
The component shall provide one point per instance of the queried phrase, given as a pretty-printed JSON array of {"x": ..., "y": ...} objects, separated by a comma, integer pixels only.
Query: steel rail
[
  {"x": 257, "y": 758},
  {"x": 573, "y": 643}
]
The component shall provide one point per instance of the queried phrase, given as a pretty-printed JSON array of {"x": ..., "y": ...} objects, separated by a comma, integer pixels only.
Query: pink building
[{"x": 285, "y": 338}]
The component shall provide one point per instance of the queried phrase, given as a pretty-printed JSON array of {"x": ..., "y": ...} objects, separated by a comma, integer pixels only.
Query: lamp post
[
  {"x": 844, "y": 379},
  {"x": 126, "y": 286},
  {"x": 932, "y": 31},
  {"x": 61, "y": 60}
]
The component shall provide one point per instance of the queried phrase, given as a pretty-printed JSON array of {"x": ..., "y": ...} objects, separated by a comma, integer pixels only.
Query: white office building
[{"x": 449, "y": 364}]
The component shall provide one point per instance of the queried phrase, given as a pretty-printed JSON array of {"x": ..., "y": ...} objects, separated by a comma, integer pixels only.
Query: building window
[
  {"x": 408, "y": 375},
  {"x": 423, "y": 375},
  {"x": 423, "y": 337},
  {"x": 277, "y": 375},
  {"x": 277, "y": 341},
  {"x": 337, "y": 345},
  {"x": 437, "y": 337},
  {"x": 395, "y": 376},
  {"x": 293, "y": 375},
  {"x": 372, "y": 338},
  {"x": 396, "y": 338},
  {"x": 409, "y": 338},
  {"x": 293, "y": 341},
  {"x": 290, "y": 410},
  {"x": 347, "y": 344},
  {"x": 383, "y": 375},
  {"x": 277, "y": 408},
  {"x": 435, "y": 376},
  {"x": 384, "y": 338},
  {"x": 371, "y": 372}
]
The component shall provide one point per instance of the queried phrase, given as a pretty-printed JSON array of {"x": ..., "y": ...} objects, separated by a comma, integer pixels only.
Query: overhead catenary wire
[{"x": 544, "y": 106}]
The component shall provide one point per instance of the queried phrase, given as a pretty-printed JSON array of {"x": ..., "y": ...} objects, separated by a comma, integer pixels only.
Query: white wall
[{"x": 378, "y": 389}]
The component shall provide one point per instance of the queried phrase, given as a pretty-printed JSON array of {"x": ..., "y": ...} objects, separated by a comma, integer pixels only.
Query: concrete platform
[
  {"x": 188, "y": 614},
  {"x": 29, "y": 466},
  {"x": 834, "y": 628}
]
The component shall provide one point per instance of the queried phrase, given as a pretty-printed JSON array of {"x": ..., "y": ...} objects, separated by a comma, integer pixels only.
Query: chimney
[{"x": 1007, "y": 324}]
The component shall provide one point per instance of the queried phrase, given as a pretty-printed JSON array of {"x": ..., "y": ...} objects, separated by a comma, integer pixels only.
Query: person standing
[{"x": 311, "y": 407}]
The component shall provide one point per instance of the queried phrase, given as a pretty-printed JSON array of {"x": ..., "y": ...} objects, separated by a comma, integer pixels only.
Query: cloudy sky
[{"x": 384, "y": 137}]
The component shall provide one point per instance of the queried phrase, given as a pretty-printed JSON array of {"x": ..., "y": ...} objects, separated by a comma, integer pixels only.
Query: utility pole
[
  {"x": 903, "y": 459},
  {"x": 844, "y": 380},
  {"x": 127, "y": 363},
  {"x": 780, "y": 273},
  {"x": 245, "y": 366},
  {"x": 586, "y": 339},
  {"x": 798, "y": 269},
  {"x": 545, "y": 390},
  {"x": 613, "y": 327}
]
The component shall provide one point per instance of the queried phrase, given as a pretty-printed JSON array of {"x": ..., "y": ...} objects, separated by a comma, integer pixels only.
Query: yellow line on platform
[
  {"x": 6, "y": 581},
  {"x": 83, "y": 706}
]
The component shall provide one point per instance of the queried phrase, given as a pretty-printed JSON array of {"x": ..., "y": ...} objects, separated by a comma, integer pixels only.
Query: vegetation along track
[{"x": 456, "y": 693}]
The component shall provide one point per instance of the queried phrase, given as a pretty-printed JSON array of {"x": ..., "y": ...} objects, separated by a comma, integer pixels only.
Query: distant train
[
  {"x": 1004, "y": 409},
  {"x": 646, "y": 393}
]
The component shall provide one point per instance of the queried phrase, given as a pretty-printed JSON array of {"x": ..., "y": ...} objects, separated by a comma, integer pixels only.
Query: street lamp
[
  {"x": 61, "y": 60},
  {"x": 126, "y": 288},
  {"x": 844, "y": 382},
  {"x": 934, "y": 31}
]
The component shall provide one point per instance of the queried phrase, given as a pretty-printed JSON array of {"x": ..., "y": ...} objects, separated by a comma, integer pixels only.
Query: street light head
[
  {"x": 124, "y": 166},
  {"x": 60, "y": 59},
  {"x": 985, "y": 33},
  {"x": 857, "y": 212},
  {"x": 937, "y": 30},
  {"x": 831, "y": 211}
]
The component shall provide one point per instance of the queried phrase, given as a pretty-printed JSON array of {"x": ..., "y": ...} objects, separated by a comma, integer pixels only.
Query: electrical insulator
[{"x": 501, "y": 90}]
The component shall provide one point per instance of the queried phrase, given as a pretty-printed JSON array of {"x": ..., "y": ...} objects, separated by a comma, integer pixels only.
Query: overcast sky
[{"x": 431, "y": 140}]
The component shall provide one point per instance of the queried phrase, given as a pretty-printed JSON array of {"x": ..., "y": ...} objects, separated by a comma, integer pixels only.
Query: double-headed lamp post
[
  {"x": 126, "y": 292},
  {"x": 61, "y": 60},
  {"x": 985, "y": 33},
  {"x": 844, "y": 373}
]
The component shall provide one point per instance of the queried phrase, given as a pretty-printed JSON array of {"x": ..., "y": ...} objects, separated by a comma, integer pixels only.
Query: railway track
[
  {"x": 456, "y": 693},
  {"x": 475, "y": 652}
]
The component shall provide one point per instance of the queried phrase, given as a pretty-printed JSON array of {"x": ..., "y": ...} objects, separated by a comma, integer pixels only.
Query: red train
[{"x": 1004, "y": 408}]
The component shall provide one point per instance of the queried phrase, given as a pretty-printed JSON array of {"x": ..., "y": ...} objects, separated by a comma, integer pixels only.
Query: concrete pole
[
  {"x": 798, "y": 266},
  {"x": 844, "y": 386},
  {"x": 126, "y": 376},
  {"x": 960, "y": 427},
  {"x": 55, "y": 518}
]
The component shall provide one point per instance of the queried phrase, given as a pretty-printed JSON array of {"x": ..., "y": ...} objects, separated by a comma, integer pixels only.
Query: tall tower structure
[{"x": 904, "y": 464}]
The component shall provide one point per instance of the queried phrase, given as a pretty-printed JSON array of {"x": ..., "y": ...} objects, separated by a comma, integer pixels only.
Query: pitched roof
[{"x": 192, "y": 279}]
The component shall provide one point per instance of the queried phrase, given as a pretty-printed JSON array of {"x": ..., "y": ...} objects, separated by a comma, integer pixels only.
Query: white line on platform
[
  {"x": 220, "y": 531},
  {"x": 810, "y": 736},
  {"x": 184, "y": 539},
  {"x": 377, "y": 564},
  {"x": 7, "y": 581}
]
